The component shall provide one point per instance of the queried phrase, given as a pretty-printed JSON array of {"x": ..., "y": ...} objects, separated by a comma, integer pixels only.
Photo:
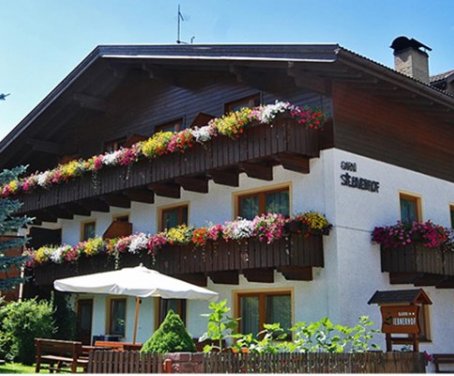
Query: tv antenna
[{"x": 179, "y": 19}]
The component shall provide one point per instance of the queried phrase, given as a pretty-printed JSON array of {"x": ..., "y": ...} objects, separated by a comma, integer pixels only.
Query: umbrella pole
[{"x": 136, "y": 319}]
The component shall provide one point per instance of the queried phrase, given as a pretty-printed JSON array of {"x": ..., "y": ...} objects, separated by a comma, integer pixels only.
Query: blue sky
[{"x": 43, "y": 40}]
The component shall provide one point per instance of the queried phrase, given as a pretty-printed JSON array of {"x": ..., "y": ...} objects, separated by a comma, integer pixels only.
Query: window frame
[
  {"x": 176, "y": 123},
  {"x": 424, "y": 321},
  {"x": 411, "y": 197},
  {"x": 83, "y": 227},
  {"x": 109, "y": 314},
  {"x": 261, "y": 192},
  {"x": 451, "y": 213},
  {"x": 262, "y": 293},
  {"x": 182, "y": 310},
  {"x": 163, "y": 209},
  {"x": 117, "y": 142},
  {"x": 255, "y": 98}
]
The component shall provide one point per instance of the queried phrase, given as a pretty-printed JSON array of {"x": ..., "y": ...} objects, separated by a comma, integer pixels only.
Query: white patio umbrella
[{"x": 139, "y": 282}]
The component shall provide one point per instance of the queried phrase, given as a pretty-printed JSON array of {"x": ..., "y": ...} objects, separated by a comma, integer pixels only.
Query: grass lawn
[{"x": 16, "y": 368}]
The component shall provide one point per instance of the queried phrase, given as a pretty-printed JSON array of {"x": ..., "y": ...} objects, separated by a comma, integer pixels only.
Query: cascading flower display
[
  {"x": 231, "y": 125},
  {"x": 402, "y": 234},
  {"x": 266, "y": 228}
]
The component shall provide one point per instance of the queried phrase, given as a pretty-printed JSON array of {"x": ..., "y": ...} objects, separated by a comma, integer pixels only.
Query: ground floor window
[
  {"x": 117, "y": 316},
  {"x": 258, "y": 308},
  {"x": 176, "y": 305}
]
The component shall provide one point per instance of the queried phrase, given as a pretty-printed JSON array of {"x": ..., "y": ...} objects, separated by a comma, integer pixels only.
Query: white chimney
[{"x": 410, "y": 60}]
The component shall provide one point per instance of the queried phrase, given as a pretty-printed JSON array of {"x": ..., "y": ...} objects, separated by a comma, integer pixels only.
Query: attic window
[
  {"x": 113, "y": 145},
  {"x": 171, "y": 126},
  {"x": 251, "y": 101}
]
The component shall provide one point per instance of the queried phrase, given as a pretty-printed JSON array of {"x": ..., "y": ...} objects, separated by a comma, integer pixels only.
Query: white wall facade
[{"x": 352, "y": 271}]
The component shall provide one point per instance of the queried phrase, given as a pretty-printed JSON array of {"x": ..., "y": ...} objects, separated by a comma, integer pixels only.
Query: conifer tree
[{"x": 10, "y": 224}]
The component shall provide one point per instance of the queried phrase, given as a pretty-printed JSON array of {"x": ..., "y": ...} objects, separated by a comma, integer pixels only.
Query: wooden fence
[
  {"x": 397, "y": 362},
  {"x": 124, "y": 362},
  {"x": 373, "y": 362}
]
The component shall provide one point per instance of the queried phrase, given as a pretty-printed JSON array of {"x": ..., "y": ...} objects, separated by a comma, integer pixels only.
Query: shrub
[
  {"x": 171, "y": 336},
  {"x": 22, "y": 323},
  {"x": 64, "y": 316}
]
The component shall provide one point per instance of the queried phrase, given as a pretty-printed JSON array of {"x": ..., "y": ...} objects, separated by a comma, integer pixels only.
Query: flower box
[
  {"x": 414, "y": 258},
  {"x": 449, "y": 263}
]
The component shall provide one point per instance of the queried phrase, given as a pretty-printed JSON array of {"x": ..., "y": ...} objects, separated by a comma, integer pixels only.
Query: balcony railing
[
  {"x": 419, "y": 265},
  {"x": 222, "y": 261},
  {"x": 260, "y": 148}
]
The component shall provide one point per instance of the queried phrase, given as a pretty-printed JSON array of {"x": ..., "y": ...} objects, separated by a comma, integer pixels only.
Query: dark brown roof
[
  {"x": 442, "y": 76},
  {"x": 400, "y": 296}
]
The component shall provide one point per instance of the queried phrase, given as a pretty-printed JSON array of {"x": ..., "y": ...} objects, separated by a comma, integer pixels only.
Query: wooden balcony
[
  {"x": 419, "y": 265},
  {"x": 260, "y": 148},
  {"x": 221, "y": 261}
]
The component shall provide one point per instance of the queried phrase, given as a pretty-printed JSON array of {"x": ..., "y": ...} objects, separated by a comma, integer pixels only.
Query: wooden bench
[
  {"x": 119, "y": 346},
  {"x": 447, "y": 359},
  {"x": 59, "y": 355}
]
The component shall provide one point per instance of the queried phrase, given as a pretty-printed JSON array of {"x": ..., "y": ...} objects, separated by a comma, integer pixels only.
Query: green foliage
[
  {"x": 268, "y": 340},
  {"x": 64, "y": 316},
  {"x": 171, "y": 336},
  {"x": 10, "y": 224},
  {"x": 22, "y": 322},
  {"x": 220, "y": 325}
]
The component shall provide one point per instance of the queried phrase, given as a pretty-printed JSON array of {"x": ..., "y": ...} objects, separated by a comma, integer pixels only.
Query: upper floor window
[
  {"x": 171, "y": 126},
  {"x": 121, "y": 218},
  {"x": 88, "y": 230},
  {"x": 117, "y": 316},
  {"x": 251, "y": 101},
  {"x": 258, "y": 308},
  {"x": 173, "y": 217},
  {"x": 451, "y": 210},
  {"x": 410, "y": 208},
  {"x": 113, "y": 145},
  {"x": 273, "y": 201}
]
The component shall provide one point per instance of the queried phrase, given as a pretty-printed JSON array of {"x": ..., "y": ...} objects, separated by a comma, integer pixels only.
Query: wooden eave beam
[
  {"x": 257, "y": 170},
  {"x": 225, "y": 177},
  {"x": 117, "y": 199},
  {"x": 296, "y": 273},
  {"x": 198, "y": 279},
  {"x": 140, "y": 195},
  {"x": 264, "y": 275},
  {"x": 90, "y": 102},
  {"x": 166, "y": 189},
  {"x": 45, "y": 216},
  {"x": 295, "y": 163},
  {"x": 193, "y": 184},
  {"x": 77, "y": 209},
  {"x": 93, "y": 204},
  {"x": 229, "y": 277},
  {"x": 61, "y": 212}
]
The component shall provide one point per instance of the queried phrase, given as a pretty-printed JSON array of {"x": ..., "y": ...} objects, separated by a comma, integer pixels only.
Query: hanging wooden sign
[{"x": 400, "y": 319}]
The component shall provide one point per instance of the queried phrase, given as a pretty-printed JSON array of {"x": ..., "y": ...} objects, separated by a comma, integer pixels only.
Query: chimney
[{"x": 410, "y": 59}]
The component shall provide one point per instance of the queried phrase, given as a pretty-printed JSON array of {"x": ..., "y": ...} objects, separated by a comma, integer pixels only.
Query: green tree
[
  {"x": 171, "y": 336},
  {"x": 10, "y": 224}
]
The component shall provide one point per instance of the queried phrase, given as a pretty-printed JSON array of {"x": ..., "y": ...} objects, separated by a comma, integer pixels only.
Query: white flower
[
  {"x": 57, "y": 254},
  {"x": 139, "y": 242},
  {"x": 111, "y": 158},
  {"x": 239, "y": 229},
  {"x": 43, "y": 179},
  {"x": 204, "y": 133},
  {"x": 267, "y": 113}
]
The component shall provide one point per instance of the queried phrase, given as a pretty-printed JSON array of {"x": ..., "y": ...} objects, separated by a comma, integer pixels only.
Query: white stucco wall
[{"x": 352, "y": 271}]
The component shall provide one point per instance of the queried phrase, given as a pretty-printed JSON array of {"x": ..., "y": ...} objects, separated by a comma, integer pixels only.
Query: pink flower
[{"x": 97, "y": 162}]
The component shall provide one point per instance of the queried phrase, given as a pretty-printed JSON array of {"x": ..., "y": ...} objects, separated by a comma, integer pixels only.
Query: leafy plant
[
  {"x": 269, "y": 340},
  {"x": 220, "y": 326},
  {"x": 23, "y": 322},
  {"x": 64, "y": 316},
  {"x": 171, "y": 336}
]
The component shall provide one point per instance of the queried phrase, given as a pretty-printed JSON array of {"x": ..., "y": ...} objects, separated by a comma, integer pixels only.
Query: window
[
  {"x": 113, "y": 145},
  {"x": 256, "y": 309},
  {"x": 171, "y": 126},
  {"x": 275, "y": 201},
  {"x": 451, "y": 209},
  {"x": 117, "y": 316},
  {"x": 88, "y": 230},
  {"x": 410, "y": 208},
  {"x": 173, "y": 217},
  {"x": 423, "y": 319},
  {"x": 250, "y": 102},
  {"x": 176, "y": 305}
]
